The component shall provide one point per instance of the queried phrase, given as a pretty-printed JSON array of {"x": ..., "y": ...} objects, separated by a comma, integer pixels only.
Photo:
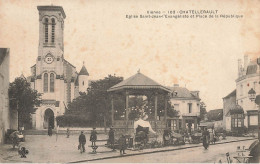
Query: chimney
[
  {"x": 245, "y": 62},
  {"x": 239, "y": 67},
  {"x": 176, "y": 85},
  {"x": 195, "y": 93}
]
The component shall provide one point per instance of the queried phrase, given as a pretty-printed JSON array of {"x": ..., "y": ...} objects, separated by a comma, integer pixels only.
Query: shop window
[{"x": 237, "y": 120}]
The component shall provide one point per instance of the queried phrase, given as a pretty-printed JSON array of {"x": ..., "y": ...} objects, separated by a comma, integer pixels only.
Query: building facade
[
  {"x": 52, "y": 75},
  {"x": 187, "y": 103},
  {"x": 248, "y": 78},
  {"x": 229, "y": 103},
  {"x": 4, "y": 100},
  {"x": 239, "y": 110}
]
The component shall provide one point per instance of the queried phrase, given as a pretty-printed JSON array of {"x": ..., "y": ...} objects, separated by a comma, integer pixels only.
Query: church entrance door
[{"x": 48, "y": 119}]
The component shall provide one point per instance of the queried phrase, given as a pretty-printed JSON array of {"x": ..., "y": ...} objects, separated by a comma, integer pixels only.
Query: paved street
[
  {"x": 191, "y": 155},
  {"x": 46, "y": 149}
]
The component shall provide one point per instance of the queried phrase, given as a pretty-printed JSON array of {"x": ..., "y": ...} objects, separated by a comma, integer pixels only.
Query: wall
[
  {"x": 228, "y": 103},
  {"x": 227, "y": 127},
  {"x": 242, "y": 93},
  {"x": 183, "y": 106},
  {"x": 4, "y": 100}
]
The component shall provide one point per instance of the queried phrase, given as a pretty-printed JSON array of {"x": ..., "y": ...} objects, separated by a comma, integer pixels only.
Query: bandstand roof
[{"x": 138, "y": 81}]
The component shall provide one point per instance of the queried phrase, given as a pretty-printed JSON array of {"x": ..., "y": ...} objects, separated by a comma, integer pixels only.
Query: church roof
[
  {"x": 83, "y": 71},
  {"x": 138, "y": 81}
]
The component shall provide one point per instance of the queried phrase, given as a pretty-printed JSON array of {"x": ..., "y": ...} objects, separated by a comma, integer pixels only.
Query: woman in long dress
[
  {"x": 205, "y": 138},
  {"x": 142, "y": 129}
]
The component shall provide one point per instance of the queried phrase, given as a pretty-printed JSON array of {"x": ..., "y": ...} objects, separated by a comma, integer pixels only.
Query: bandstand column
[
  {"x": 126, "y": 107},
  {"x": 165, "y": 111},
  {"x": 112, "y": 115},
  {"x": 155, "y": 109}
]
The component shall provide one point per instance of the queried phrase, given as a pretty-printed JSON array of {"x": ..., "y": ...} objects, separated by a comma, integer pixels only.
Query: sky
[{"x": 200, "y": 53}]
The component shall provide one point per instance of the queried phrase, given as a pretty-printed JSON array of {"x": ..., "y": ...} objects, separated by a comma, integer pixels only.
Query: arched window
[
  {"x": 52, "y": 30},
  {"x": 46, "y": 30},
  {"x": 45, "y": 82},
  {"x": 52, "y": 82}
]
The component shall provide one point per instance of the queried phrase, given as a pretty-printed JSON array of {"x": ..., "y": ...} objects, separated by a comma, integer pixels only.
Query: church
[{"x": 52, "y": 75}]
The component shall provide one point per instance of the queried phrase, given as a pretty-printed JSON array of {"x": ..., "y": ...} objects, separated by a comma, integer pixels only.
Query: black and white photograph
[{"x": 119, "y": 81}]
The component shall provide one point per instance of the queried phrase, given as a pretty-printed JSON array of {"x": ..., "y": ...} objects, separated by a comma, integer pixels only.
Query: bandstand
[{"x": 140, "y": 85}]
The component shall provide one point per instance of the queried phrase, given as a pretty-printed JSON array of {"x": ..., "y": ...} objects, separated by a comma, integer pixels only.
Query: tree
[
  {"x": 23, "y": 99},
  {"x": 97, "y": 101},
  {"x": 203, "y": 111}
]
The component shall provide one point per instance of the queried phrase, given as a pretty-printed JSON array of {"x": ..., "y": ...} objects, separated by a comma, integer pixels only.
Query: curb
[{"x": 156, "y": 151}]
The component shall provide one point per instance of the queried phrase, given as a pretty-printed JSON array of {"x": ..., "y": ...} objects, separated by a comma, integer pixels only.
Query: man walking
[
  {"x": 111, "y": 138},
  {"x": 82, "y": 141}
]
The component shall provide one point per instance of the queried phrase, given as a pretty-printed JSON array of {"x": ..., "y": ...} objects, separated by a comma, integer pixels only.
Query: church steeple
[
  {"x": 83, "y": 70},
  {"x": 51, "y": 26},
  {"x": 83, "y": 79}
]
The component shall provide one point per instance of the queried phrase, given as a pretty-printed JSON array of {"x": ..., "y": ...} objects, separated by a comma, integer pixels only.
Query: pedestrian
[
  {"x": 68, "y": 132},
  {"x": 205, "y": 138},
  {"x": 57, "y": 132},
  {"x": 93, "y": 136},
  {"x": 50, "y": 131},
  {"x": 211, "y": 137},
  {"x": 111, "y": 138},
  {"x": 22, "y": 151},
  {"x": 82, "y": 141},
  {"x": 122, "y": 144}
]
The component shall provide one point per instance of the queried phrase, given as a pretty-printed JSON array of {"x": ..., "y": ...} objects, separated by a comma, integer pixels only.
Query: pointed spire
[
  {"x": 22, "y": 76},
  {"x": 83, "y": 70},
  {"x": 138, "y": 70}
]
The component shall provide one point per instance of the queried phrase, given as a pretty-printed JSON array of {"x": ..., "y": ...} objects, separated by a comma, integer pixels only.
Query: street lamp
[{"x": 252, "y": 96}]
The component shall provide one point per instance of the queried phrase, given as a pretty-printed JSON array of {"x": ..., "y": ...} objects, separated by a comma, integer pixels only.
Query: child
[
  {"x": 22, "y": 150},
  {"x": 122, "y": 144},
  {"x": 93, "y": 137},
  {"x": 68, "y": 132}
]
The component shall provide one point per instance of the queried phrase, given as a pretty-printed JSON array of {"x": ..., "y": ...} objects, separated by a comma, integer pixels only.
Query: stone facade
[
  {"x": 248, "y": 77},
  {"x": 229, "y": 102},
  {"x": 53, "y": 75},
  {"x": 4, "y": 100}
]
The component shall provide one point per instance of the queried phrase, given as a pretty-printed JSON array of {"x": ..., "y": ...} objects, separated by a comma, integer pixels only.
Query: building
[
  {"x": 52, "y": 75},
  {"x": 187, "y": 103},
  {"x": 229, "y": 102},
  {"x": 4, "y": 99},
  {"x": 248, "y": 78},
  {"x": 239, "y": 110}
]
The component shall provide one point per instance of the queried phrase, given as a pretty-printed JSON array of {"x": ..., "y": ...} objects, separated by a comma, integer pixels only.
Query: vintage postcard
[{"x": 118, "y": 81}]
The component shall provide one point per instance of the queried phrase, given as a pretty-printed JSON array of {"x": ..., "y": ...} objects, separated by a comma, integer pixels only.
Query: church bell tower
[{"x": 51, "y": 46}]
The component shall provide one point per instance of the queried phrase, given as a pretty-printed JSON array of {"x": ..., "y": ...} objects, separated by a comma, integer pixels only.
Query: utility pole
[{"x": 257, "y": 101}]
